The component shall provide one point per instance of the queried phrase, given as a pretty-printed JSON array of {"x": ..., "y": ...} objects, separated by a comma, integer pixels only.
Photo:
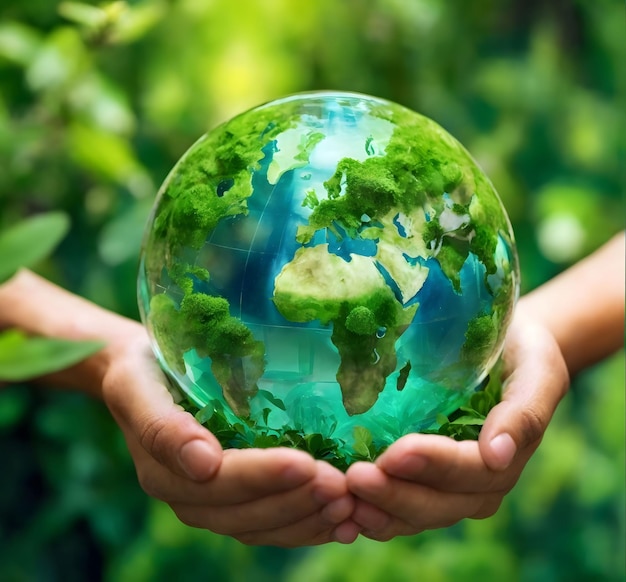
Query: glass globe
[{"x": 329, "y": 271}]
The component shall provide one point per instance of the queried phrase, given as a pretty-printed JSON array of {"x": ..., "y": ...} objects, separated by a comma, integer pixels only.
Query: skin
[
  {"x": 284, "y": 497},
  {"x": 428, "y": 481},
  {"x": 424, "y": 481},
  {"x": 279, "y": 497}
]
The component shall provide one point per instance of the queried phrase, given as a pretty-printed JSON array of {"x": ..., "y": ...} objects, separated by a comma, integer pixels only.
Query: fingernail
[
  {"x": 197, "y": 460},
  {"x": 504, "y": 448}
]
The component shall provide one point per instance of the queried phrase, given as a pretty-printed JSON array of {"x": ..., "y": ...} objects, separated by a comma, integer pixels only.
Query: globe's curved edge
[{"x": 173, "y": 322}]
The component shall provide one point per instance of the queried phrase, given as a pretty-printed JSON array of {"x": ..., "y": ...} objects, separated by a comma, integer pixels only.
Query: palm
[{"x": 429, "y": 481}]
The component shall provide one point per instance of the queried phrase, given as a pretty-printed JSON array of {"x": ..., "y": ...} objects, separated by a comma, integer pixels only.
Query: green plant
[
  {"x": 463, "y": 424},
  {"x": 22, "y": 357}
]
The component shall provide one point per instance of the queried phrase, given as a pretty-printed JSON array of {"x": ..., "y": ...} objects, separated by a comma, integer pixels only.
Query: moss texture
[{"x": 421, "y": 167}]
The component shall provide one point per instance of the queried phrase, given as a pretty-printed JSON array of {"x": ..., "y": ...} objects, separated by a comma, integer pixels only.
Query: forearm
[
  {"x": 584, "y": 306},
  {"x": 38, "y": 307}
]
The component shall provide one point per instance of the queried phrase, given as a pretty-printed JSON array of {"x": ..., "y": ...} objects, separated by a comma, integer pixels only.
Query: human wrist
[
  {"x": 583, "y": 307},
  {"x": 39, "y": 308},
  {"x": 88, "y": 376}
]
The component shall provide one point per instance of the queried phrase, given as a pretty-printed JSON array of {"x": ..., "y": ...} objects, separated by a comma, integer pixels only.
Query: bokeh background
[{"x": 97, "y": 102}]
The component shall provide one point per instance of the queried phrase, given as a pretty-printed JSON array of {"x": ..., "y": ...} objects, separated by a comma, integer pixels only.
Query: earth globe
[{"x": 329, "y": 271}]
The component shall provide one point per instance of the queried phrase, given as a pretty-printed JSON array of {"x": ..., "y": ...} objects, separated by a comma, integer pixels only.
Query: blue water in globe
[{"x": 357, "y": 262}]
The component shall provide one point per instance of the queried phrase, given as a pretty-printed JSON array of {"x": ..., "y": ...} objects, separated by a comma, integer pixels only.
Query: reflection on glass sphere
[{"x": 330, "y": 271}]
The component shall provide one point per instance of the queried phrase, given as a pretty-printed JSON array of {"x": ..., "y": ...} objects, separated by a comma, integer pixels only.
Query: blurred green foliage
[
  {"x": 29, "y": 241},
  {"x": 21, "y": 357},
  {"x": 97, "y": 102}
]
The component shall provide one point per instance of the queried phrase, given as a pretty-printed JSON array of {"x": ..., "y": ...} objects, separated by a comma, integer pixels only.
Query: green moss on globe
[
  {"x": 328, "y": 271},
  {"x": 361, "y": 320}
]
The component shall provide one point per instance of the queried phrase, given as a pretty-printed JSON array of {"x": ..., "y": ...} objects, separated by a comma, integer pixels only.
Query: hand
[
  {"x": 429, "y": 481},
  {"x": 279, "y": 496}
]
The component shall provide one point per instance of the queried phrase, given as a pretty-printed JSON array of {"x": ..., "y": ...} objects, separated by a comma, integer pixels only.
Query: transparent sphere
[{"x": 329, "y": 271}]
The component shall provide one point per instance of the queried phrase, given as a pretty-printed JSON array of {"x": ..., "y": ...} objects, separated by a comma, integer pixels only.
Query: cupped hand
[
  {"x": 430, "y": 481},
  {"x": 278, "y": 496}
]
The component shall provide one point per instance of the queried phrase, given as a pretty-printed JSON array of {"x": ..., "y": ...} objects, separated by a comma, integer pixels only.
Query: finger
[
  {"x": 326, "y": 495},
  {"x": 311, "y": 531},
  {"x": 397, "y": 507},
  {"x": 346, "y": 532},
  {"x": 511, "y": 433},
  {"x": 443, "y": 464},
  {"x": 136, "y": 394},
  {"x": 378, "y": 524},
  {"x": 244, "y": 475},
  {"x": 371, "y": 518},
  {"x": 248, "y": 474},
  {"x": 538, "y": 381}
]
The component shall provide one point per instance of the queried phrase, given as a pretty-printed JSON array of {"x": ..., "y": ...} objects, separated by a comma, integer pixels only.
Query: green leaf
[
  {"x": 29, "y": 241},
  {"x": 362, "y": 441},
  {"x": 314, "y": 442},
  {"x": 18, "y": 43},
  {"x": 24, "y": 358},
  {"x": 59, "y": 63},
  {"x": 120, "y": 239},
  {"x": 90, "y": 16},
  {"x": 105, "y": 154},
  {"x": 442, "y": 419},
  {"x": 135, "y": 22},
  {"x": 115, "y": 22},
  {"x": 480, "y": 404},
  {"x": 468, "y": 420},
  {"x": 277, "y": 402}
]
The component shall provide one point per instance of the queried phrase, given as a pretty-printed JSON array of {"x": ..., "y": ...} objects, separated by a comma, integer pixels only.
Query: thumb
[
  {"x": 135, "y": 391},
  {"x": 537, "y": 381}
]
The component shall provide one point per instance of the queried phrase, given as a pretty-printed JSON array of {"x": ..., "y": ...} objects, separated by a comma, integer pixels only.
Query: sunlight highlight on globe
[{"x": 329, "y": 271}]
